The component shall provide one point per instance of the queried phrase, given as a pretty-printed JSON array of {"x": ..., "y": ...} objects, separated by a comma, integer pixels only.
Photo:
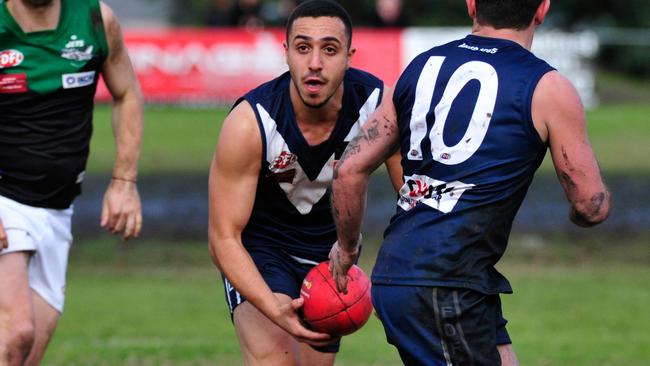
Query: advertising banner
[{"x": 216, "y": 66}]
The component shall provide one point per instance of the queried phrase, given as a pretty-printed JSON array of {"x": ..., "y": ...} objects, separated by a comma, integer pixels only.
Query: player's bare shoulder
[
  {"x": 112, "y": 28},
  {"x": 555, "y": 99},
  {"x": 242, "y": 121},
  {"x": 240, "y": 134}
]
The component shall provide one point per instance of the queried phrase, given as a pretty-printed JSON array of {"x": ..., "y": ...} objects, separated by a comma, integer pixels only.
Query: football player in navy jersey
[
  {"x": 270, "y": 214},
  {"x": 53, "y": 52},
  {"x": 473, "y": 120}
]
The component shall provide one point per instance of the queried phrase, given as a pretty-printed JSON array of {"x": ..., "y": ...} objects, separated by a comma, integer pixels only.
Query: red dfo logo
[
  {"x": 10, "y": 58},
  {"x": 282, "y": 161}
]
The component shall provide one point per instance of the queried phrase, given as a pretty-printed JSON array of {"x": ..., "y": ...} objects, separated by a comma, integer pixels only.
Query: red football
[{"x": 328, "y": 311}]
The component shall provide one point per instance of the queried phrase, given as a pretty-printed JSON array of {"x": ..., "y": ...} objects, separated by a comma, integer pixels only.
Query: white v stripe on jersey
[
  {"x": 366, "y": 110},
  {"x": 302, "y": 192}
]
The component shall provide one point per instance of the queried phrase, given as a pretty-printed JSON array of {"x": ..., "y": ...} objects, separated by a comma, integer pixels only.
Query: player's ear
[
  {"x": 541, "y": 11},
  {"x": 351, "y": 53},
  {"x": 471, "y": 8},
  {"x": 286, "y": 51}
]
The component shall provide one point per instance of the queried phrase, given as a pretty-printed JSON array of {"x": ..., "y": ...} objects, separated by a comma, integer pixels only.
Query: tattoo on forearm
[
  {"x": 370, "y": 134},
  {"x": 373, "y": 131},
  {"x": 353, "y": 148}
]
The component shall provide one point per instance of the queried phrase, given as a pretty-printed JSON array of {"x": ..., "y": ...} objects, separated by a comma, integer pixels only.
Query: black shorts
[
  {"x": 283, "y": 273},
  {"x": 441, "y": 326}
]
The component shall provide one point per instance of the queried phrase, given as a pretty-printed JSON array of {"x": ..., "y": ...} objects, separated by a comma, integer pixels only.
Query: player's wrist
[
  {"x": 352, "y": 247},
  {"x": 124, "y": 179}
]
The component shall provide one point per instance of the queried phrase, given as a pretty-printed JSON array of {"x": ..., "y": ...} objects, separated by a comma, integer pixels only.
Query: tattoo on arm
[
  {"x": 371, "y": 134},
  {"x": 353, "y": 148}
]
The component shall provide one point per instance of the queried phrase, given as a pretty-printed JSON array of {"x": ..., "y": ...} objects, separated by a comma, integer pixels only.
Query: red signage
[{"x": 216, "y": 66}]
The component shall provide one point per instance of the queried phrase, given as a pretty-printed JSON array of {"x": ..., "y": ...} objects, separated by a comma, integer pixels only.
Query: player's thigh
[
  {"x": 15, "y": 294},
  {"x": 438, "y": 326},
  {"x": 262, "y": 341},
  {"x": 310, "y": 356},
  {"x": 46, "y": 317},
  {"x": 46, "y": 235}
]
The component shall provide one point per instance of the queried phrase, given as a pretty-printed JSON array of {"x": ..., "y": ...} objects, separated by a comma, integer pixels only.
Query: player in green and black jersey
[{"x": 52, "y": 53}]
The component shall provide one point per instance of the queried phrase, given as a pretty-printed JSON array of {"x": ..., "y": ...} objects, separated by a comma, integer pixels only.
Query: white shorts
[{"x": 46, "y": 233}]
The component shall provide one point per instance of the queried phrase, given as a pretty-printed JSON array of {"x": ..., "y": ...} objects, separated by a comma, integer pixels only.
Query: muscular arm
[
  {"x": 233, "y": 181},
  {"x": 121, "y": 209},
  {"x": 376, "y": 141},
  {"x": 559, "y": 118},
  {"x": 394, "y": 168}
]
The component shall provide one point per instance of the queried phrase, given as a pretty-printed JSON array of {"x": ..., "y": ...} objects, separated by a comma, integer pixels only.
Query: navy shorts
[
  {"x": 283, "y": 273},
  {"x": 440, "y": 326}
]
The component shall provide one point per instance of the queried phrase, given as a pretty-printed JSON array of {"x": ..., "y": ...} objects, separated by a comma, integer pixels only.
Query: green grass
[
  {"x": 183, "y": 140},
  {"x": 620, "y": 137},
  {"x": 175, "y": 139},
  {"x": 576, "y": 302}
]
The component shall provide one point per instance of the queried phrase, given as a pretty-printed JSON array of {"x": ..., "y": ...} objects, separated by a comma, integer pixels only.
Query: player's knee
[{"x": 21, "y": 339}]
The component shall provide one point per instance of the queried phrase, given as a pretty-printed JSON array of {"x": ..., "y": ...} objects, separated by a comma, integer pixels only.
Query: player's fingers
[
  {"x": 138, "y": 225},
  {"x": 342, "y": 284},
  {"x": 315, "y": 338},
  {"x": 297, "y": 303},
  {"x": 120, "y": 223},
  {"x": 129, "y": 227},
  {"x": 103, "y": 222}
]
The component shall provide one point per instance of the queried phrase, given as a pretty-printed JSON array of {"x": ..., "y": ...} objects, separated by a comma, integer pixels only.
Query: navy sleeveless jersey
[
  {"x": 292, "y": 209},
  {"x": 469, "y": 152}
]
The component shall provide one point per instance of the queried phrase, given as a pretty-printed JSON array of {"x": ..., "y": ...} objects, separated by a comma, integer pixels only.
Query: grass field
[{"x": 151, "y": 303}]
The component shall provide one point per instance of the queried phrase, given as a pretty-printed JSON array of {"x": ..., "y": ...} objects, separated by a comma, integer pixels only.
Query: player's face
[{"x": 317, "y": 55}]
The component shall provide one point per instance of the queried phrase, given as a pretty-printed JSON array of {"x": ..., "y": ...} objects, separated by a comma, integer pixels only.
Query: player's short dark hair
[
  {"x": 321, "y": 8},
  {"x": 512, "y": 14}
]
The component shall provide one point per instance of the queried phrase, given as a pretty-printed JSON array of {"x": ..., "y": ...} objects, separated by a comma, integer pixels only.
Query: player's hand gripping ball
[{"x": 328, "y": 311}]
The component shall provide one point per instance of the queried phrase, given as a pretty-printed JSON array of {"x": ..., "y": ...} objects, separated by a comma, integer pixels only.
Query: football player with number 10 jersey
[{"x": 473, "y": 120}]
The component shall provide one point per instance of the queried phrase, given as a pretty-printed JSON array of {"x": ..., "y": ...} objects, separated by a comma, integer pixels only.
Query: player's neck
[
  {"x": 327, "y": 113},
  {"x": 317, "y": 124},
  {"x": 35, "y": 18},
  {"x": 523, "y": 37}
]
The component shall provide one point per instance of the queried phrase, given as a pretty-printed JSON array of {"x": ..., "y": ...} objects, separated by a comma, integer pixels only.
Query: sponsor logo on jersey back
[
  {"x": 13, "y": 83},
  {"x": 10, "y": 58},
  {"x": 77, "y": 79},
  {"x": 434, "y": 193}
]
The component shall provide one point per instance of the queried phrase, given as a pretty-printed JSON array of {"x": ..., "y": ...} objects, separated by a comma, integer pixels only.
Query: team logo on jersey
[
  {"x": 13, "y": 83},
  {"x": 281, "y": 167},
  {"x": 77, "y": 79},
  {"x": 10, "y": 58},
  {"x": 282, "y": 161},
  {"x": 76, "y": 50}
]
